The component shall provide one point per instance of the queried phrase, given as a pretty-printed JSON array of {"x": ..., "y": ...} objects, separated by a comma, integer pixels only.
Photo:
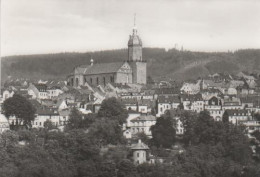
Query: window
[
  {"x": 91, "y": 80},
  {"x": 104, "y": 80},
  {"x": 111, "y": 79},
  {"x": 97, "y": 81},
  {"x": 77, "y": 82},
  {"x": 137, "y": 154}
]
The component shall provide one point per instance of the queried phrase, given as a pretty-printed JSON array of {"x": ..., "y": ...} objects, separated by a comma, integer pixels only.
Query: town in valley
[{"x": 114, "y": 119}]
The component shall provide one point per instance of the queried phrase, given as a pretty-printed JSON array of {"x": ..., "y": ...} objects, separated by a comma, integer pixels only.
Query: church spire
[{"x": 135, "y": 28}]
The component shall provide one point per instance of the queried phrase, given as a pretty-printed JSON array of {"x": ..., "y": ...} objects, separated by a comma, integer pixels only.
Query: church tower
[{"x": 135, "y": 58}]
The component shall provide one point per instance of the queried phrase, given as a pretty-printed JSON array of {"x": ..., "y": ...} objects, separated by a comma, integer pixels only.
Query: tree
[
  {"x": 143, "y": 137},
  {"x": 181, "y": 106},
  {"x": 75, "y": 120},
  {"x": 225, "y": 117},
  {"x": 106, "y": 131},
  {"x": 163, "y": 132},
  {"x": 257, "y": 116},
  {"x": 126, "y": 169},
  {"x": 188, "y": 120},
  {"x": 21, "y": 108},
  {"x": 49, "y": 125},
  {"x": 111, "y": 108}
]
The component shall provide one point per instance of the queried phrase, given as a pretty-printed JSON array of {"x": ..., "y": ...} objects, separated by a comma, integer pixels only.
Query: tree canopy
[
  {"x": 21, "y": 108},
  {"x": 163, "y": 132},
  {"x": 112, "y": 109}
]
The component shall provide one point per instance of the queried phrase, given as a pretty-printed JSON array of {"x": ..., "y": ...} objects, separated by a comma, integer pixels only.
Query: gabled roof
[
  {"x": 102, "y": 68},
  {"x": 81, "y": 69}
]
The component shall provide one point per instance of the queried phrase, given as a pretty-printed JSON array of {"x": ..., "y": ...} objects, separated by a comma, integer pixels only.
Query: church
[{"x": 132, "y": 71}]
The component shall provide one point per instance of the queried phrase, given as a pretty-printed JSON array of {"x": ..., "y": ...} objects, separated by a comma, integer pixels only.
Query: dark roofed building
[{"x": 237, "y": 116}]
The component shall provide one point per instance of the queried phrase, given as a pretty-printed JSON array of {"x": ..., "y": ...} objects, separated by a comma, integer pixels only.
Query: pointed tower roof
[{"x": 134, "y": 39}]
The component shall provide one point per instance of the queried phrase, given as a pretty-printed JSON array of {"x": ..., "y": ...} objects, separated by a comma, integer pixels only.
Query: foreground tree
[
  {"x": 75, "y": 120},
  {"x": 111, "y": 108},
  {"x": 106, "y": 131},
  {"x": 21, "y": 108},
  {"x": 163, "y": 132}
]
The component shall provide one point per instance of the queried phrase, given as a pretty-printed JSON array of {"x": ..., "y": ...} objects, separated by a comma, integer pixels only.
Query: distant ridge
[{"x": 164, "y": 65}]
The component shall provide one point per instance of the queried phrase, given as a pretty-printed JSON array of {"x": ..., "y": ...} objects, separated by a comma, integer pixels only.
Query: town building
[
  {"x": 4, "y": 124},
  {"x": 142, "y": 124},
  {"x": 193, "y": 103},
  {"x": 139, "y": 152},
  {"x": 38, "y": 91},
  {"x": 214, "y": 107},
  {"x": 238, "y": 116},
  {"x": 128, "y": 71},
  {"x": 43, "y": 114},
  {"x": 165, "y": 102}
]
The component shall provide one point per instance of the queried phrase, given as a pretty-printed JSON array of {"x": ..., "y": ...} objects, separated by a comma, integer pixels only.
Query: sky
[{"x": 54, "y": 26}]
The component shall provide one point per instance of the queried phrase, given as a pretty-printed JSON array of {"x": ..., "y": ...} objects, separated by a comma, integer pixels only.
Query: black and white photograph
[{"x": 129, "y": 88}]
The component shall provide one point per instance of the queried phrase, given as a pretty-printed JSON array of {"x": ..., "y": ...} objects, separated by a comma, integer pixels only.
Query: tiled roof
[
  {"x": 144, "y": 118},
  {"x": 237, "y": 112},
  {"x": 82, "y": 69},
  {"x": 168, "y": 99},
  {"x": 64, "y": 112},
  {"x": 46, "y": 111},
  {"x": 167, "y": 91},
  {"x": 139, "y": 146},
  {"x": 41, "y": 87},
  {"x": 196, "y": 97},
  {"x": 129, "y": 101},
  {"x": 249, "y": 99},
  {"x": 102, "y": 68}
]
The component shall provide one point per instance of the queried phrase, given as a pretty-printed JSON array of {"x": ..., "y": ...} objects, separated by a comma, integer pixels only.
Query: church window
[
  {"x": 104, "y": 80},
  {"x": 97, "y": 81},
  {"x": 77, "y": 82}
]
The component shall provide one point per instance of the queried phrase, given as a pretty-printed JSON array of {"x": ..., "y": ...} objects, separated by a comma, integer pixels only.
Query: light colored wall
[{"x": 139, "y": 156}]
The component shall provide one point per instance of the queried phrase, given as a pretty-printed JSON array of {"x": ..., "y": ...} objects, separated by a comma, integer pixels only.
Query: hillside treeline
[{"x": 171, "y": 64}]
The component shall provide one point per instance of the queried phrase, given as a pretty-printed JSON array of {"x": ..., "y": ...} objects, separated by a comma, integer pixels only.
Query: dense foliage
[
  {"x": 163, "y": 132},
  {"x": 176, "y": 64},
  {"x": 21, "y": 108},
  {"x": 93, "y": 146}
]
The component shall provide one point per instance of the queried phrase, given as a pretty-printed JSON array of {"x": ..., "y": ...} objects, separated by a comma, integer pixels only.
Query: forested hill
[{"x": 171, "y": 64}]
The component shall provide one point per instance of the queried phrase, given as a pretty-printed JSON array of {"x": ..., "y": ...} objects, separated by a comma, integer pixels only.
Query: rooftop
[{"x": 139, "y": 146}]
